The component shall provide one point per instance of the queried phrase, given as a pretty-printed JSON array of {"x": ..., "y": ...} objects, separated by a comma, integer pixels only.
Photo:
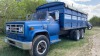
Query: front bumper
[{"x": 19, "y": 44}]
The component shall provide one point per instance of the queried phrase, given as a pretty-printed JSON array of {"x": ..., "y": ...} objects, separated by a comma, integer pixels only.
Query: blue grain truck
[{"x": 44, "y": 27}]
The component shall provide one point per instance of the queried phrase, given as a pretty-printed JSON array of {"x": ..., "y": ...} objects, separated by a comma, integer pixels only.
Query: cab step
[{"x": 55, "y": 41}]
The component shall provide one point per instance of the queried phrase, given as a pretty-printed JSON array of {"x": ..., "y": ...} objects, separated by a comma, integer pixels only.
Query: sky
[{"x": 92, "y": 7}]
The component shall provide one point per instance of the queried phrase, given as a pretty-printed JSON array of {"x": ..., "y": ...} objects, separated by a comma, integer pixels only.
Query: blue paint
[
  {"x": 51, "y": 27},
  {"x": 54, "y": 38}
]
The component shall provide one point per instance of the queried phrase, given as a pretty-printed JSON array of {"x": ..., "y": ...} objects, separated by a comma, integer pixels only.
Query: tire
[
  {"x": 75, "y": 35},
  {"x": 90, "y": 28},
  {"x": 81, "y": 34},
  {"x": 40, "y": 46},
  {"x": 72, "y": 35}
]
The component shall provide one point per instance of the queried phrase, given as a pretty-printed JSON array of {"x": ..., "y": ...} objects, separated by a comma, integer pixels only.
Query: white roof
[{"x": 73, "y": 8}]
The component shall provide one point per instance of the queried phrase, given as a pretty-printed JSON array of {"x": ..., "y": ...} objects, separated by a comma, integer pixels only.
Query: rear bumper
[{"x": 19, "y": 44}]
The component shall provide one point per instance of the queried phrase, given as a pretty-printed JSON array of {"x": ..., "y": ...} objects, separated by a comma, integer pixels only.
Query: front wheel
[{"x": 40, "y": 46}]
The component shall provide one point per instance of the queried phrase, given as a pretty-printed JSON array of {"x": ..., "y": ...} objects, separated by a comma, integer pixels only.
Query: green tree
[
  {"x": 95, "y": 21},
  {"x": 17, "y": 9}
]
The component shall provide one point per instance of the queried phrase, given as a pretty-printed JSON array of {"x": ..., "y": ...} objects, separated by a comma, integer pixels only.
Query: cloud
[
  {"x": 96, "y": 10},
  {"x": 82, "y": 0},
  {"x": 90, "y": 9}
]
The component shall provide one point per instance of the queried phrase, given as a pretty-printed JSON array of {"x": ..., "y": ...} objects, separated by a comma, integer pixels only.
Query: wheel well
[{"x": 42, "y": 33}]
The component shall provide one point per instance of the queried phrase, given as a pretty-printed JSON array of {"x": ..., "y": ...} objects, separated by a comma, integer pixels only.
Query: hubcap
[{"x": 41, "y": 47}]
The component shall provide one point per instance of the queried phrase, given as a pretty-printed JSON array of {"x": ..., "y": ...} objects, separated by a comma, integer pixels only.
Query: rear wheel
[
  {"x": 81, "y": 33},
  {"x": 40, "y": 46},
  {"x": 75, "y": 35},
  {"x": 72, "y": 34}
]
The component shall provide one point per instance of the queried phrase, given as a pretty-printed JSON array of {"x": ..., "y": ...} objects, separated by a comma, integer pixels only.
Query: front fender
[{"x": 33, "y": 32}]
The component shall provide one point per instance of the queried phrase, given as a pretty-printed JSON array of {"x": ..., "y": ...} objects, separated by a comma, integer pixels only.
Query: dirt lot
[
  {"x": 93, "y": 47},
  {"x": 85, "y": 47}
]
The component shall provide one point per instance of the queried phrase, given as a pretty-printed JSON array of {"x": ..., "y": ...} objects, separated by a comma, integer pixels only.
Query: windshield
[{"x": 38, "y": 16}]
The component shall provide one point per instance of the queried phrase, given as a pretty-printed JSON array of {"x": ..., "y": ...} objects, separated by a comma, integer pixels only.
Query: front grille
[{"x": 15, "y": 28}]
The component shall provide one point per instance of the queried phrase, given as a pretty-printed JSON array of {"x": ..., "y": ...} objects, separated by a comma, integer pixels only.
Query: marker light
[{"x": 31, "y": 28}]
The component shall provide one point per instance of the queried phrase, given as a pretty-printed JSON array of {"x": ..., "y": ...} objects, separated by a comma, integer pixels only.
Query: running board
[{"x": 55, "y": 41}]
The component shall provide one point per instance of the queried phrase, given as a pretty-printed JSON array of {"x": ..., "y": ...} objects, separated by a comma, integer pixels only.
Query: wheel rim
[
  {"x": 41, "y": 47},
  {"x": 89, "y": 27},
  {"x": 78, "y": 35}
]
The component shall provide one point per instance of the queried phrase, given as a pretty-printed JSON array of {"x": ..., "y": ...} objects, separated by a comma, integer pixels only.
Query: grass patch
[{"x": 62, "y": 48}]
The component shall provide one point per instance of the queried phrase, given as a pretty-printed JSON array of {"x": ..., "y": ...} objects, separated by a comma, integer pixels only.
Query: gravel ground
[{"x": 92, "y": 48}]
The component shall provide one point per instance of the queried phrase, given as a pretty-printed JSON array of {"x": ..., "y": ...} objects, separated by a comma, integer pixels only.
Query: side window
[
  {"x": 67, "y": 16},
  {"x": 74, "y": 17},
  {"x": 53, "y": 15}
]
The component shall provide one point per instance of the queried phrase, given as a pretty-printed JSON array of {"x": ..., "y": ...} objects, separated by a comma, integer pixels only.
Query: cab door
[{"x": 53, "y": 26}]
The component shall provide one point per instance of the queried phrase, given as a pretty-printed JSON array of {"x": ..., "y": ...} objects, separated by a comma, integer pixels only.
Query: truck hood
[{"x": 24, "y": 22}]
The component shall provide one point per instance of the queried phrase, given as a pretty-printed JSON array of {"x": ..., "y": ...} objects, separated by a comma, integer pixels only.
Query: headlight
[
  {"x": 7, "y": 28},
  {"x": 21, "y": 29}
]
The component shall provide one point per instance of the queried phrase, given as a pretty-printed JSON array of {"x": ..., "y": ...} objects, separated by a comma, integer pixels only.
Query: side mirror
[
  {"x": 57, "y": 15},
  {"x": 28, "y": 16},
  {"x": 49, "y": 18}
]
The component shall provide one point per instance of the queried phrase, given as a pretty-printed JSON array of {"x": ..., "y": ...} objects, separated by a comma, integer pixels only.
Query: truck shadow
[{"x": 66, "y": 44}]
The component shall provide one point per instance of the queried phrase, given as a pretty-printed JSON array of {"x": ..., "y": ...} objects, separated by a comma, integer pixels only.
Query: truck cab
[
  {"x": 22, "y": 33},
  {"x": 44, "y": 27},
  {"x": 38, "y": 23}
]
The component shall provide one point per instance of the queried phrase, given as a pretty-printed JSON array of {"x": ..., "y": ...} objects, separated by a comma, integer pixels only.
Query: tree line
[
  {"x": 95, "y": 21},
  {"x": 17, "y": 10}
]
